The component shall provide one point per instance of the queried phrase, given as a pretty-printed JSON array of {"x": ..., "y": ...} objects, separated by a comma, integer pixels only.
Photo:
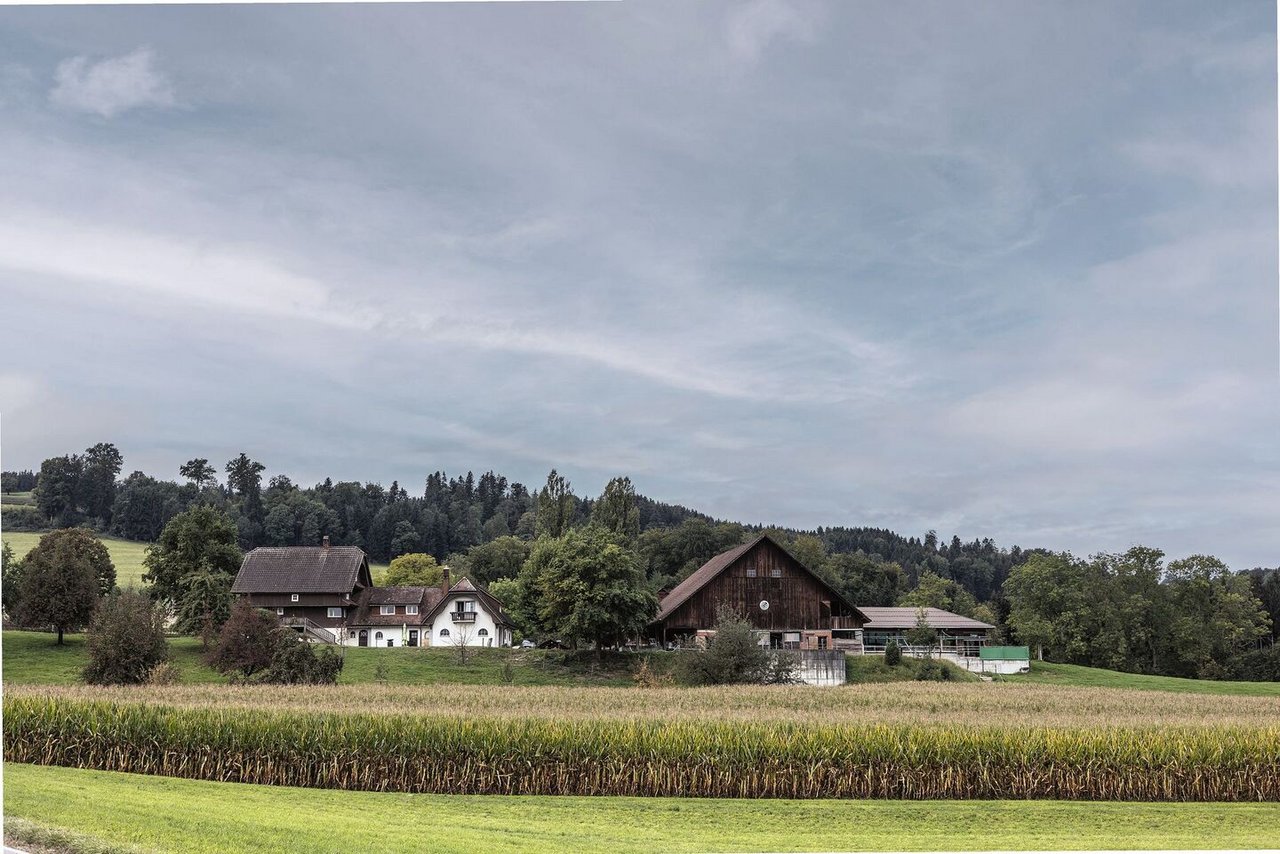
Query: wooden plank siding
[{"x": 798, "y": 600}]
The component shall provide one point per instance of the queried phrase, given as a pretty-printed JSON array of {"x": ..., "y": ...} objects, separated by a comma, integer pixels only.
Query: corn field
[{"x": 420, "y": 753}]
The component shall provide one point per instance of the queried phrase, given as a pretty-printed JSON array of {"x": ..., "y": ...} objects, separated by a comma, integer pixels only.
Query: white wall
[
  {"x": 399, "y": 635},
  {"x": 495, "y": 635}
]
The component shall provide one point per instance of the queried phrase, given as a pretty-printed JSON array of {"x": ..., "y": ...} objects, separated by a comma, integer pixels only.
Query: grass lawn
[
  {"x": 34, "y": 658},
  {"x": 112, "y": 810},
  {"x": 17, "y": 499},
  {"x": 1046, "y": 673},
  {"x": 125, "y": 554}
]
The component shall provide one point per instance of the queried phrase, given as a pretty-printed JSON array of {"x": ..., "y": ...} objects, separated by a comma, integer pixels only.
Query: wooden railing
[
  {"x": 316, "y": 630},
  {"x": 463, "y": 616}
]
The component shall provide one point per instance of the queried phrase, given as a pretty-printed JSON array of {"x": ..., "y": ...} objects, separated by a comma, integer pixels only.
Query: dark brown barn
[
  {"x": 314, "y": 589},
  {"x": 771, "y": 589}
]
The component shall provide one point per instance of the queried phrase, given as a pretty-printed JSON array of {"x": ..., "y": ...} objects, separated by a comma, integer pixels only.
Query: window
[
  {"x": 293, "y": 597},
  {"x": 279, "y": 612},
  {"x": 484, "y": 633},
  {"x": 411, "y": 609},
  {"x": 751, "y": 572},
  {"x": 466, "y": 605},
  {"x": 776, "y": 573},
  {"x": 335, "y": 612},
  {"x": 391, "y": 642},
  {"x": 378, "y": 636},
  {"x": 388, "y": 609},
  {"x": 351, "y": 633},
  {"x": 444, "y": 633},
  {"x": 822, "y": 642}
]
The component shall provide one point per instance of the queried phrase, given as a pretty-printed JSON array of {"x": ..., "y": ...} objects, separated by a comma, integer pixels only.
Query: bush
[
  {"x": 164, "y": 673},
  {"x": 246, "y": 644},
  {"x": 646, "y": 677},
  {"x": 295, "y": 662},
  {"x": 931, "y": 671},
  {"x": 892, "y": 654},
  {"x": 24, "y": 519},
  {"x": 125, "y": 640},
  {"x": 731, "y": 656},
  {"x": 1262, "y": 665}
]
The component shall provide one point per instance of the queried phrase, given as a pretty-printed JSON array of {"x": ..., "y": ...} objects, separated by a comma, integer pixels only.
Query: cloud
[
  {"x": 111, "y": 86},
  {"x": 750, "y": 29}
]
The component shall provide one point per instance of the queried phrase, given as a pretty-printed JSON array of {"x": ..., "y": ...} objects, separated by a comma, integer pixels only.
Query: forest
[{"x": 1133, "y": 611}]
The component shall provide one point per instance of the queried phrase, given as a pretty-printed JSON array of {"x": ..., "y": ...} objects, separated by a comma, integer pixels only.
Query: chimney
[
  {"x": 325, "y": 541},
  {"x": 444, "y": 580}
]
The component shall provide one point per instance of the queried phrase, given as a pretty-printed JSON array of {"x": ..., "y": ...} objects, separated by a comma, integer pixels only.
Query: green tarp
[{"x": 1005, "y": 653}]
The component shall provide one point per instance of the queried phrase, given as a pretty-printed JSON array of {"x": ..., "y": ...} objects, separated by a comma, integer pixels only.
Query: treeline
[{"x": 1129, "y": 612}]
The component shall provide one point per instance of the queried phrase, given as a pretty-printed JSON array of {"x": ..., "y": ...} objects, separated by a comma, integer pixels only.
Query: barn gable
[{"x": 764, "y": 583}]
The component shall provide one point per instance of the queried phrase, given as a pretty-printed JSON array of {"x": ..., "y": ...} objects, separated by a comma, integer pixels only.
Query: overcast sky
[{"x": 994, "y": 269}]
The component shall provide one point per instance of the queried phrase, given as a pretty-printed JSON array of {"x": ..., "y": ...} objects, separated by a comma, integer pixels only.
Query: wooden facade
[{"x": 763, "y": 583}]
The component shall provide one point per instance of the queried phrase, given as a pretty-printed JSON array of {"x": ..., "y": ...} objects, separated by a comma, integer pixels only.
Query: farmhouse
[
  {"x": 327, "y": 594},
  {"x": 790, "y": 606}
]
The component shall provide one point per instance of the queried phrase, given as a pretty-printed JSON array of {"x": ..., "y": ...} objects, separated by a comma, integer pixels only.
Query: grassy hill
[
  {"x": 125, "y": 554},
  {"x": 1074, "y": 675}
]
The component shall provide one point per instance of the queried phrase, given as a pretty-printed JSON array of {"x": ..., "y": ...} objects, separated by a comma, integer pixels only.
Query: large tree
[
  {"x": 203, "y": 539},
  {"x": 97, "y": 485},
  {"x": 413, "y": 570},
  {"x": 199, "y": 472},
  {"x": 556, "y": 506},
  {"x": 616, "y": 509},
  {"x": 62, "y": 579},
  {"x": 590, "y": 587},
  {"x": 205, "y": 603},
  {"x": 500, "y": 558},
  {"x": 58, "y": 491},
  {"x": 1215, "y": 616}
]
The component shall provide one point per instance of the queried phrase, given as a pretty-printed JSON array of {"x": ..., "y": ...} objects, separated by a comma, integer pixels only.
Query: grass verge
[
  {"x": 1075, "y": 675},
  {"x": 156, "y": 813}
]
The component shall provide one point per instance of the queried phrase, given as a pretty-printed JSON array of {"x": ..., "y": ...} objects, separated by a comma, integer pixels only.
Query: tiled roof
[
  {"x": 905, "y": 618},
  {"x": 300, "y": 569},
  {"x": 396, "y": 595}
]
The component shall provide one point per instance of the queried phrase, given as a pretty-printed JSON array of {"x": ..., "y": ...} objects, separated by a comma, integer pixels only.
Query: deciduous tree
[
  {"x": 62, "y": 579},
  {"x": 414, "y": 570},
  {"x": 125, "y": 640},
  {"x": 203, "y": 539}
]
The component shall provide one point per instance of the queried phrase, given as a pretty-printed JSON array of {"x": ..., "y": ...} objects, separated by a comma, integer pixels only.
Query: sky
[{"x": 995, "y": 269}]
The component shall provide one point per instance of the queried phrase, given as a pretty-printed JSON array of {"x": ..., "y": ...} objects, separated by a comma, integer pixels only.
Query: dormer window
[
  {"x": 411, "y": 609},
  {"x": 293, "y": 597},
  {"x": 387, "y": 610}
]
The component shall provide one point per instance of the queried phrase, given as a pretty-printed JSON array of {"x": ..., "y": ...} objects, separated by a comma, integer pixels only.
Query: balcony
[{"x": 463, "y": 616}]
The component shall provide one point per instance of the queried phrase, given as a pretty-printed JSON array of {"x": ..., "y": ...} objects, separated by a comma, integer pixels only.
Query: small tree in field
[
  {"x": 125, "y": 640},
  {"x": 922, "y": 635},
  {"x": 246, "y": 643},
  {"x": 460, "y": 639},
  {"x": 732, "y": 655},
  {"x": 892, "y": 653},
  {"x": 62, "y": 579}
]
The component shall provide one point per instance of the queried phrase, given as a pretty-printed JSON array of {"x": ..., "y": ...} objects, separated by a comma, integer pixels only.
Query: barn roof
[
  {"x": 703, "y": 575},
  {"x": 302, "y": 569},
  {"x": 905, "y": 618}
]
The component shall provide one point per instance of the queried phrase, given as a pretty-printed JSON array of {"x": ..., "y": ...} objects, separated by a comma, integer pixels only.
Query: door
[
  {"x": 364, "y": 637},
  {"x": 413, "y": 637}
]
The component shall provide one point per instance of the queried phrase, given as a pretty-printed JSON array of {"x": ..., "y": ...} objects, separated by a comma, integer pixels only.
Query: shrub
[
  {"x": 164, "y": 673},
  {"x": 783, "y": 668},
  {"x": 295, "y": 662},
  {"x": 931, "y": 671},
  {"x": 414, "y": 570},
  {"x": 1262, "y": 665},
  {"x": 246, "y": 643},
  {"x": 892, "y": 653},
  {"x": 731, "y": 656},
  {"x": 24, "y": 519},
  {"x": 125, "y": 640},
  {"x": 646, "y": 677}
]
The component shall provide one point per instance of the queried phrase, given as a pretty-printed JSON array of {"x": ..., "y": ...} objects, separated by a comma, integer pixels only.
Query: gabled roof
[
  {"x": 303, "y": 569},
  {"x": 905, "y": 618},
  {"x": 703, "y": 575},
  {"x": 396, "y": 595},
  {"x": 464, "y": 586}
]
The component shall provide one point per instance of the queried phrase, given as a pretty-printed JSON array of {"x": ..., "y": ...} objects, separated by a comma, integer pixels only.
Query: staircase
[{"x": 310, "y": 631}]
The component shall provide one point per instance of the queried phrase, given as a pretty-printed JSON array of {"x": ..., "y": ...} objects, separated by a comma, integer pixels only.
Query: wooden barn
[{"x": 790, "y": 606}]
